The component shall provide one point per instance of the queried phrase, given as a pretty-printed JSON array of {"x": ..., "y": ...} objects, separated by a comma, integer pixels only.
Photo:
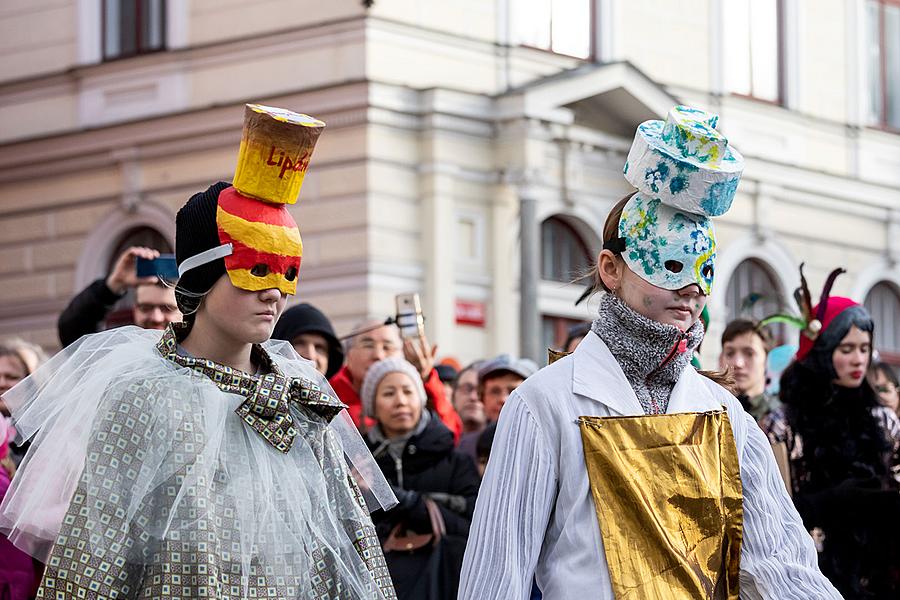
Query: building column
[{"x": 529, "y": 318}]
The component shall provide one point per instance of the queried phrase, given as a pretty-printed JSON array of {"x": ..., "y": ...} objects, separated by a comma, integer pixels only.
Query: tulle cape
[{"x": 134, "y": 458}]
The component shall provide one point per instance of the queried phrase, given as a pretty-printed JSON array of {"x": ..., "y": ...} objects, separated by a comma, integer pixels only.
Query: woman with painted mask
[
  {"x": 841, "y": 448},
  {"x": 619, "y": 471},
  {"x": 205, "y": 462}
]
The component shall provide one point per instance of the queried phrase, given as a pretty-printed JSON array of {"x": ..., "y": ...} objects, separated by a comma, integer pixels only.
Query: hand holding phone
[
  {"x": 409, "y": 316},
  {"x": 163, "y": 266}
]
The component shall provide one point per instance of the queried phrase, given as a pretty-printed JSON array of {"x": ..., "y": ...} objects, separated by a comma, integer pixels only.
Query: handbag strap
[{"x": 438, "y": 527}]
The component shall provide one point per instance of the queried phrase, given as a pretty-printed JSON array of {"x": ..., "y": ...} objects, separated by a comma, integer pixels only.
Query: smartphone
[
  {"x": 163, "y": 266},
  {"x": 409, "y": 316}
]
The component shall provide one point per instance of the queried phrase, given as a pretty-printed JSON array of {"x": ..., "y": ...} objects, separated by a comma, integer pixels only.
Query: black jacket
[
  {"x": 842, "y": 482},
  {"x": 429, "y": 466},
  {"x": 85, "y": 312}
]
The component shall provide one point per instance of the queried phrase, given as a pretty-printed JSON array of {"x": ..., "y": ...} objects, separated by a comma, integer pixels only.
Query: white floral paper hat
[{"x": 685, "y": 162}]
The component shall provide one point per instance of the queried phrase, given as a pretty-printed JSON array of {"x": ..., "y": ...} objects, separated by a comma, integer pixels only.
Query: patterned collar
[{"x": 267, "y": 396}]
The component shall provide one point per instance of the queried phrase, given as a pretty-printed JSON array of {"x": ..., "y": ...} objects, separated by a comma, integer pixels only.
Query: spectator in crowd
[
  {"x": 415, "y": 452},
  {"x": 576, "y": 333},
  {"x": 18, "y": 573},
  {"x": 18, "y": 359},
  {"x": 841, "y": 452},
  {"x": 13, "y": 369},
  {"x": 447, "y": 374},
  {"x": 883, "y": 380},
  {"x": 483, "y": 447},
  {"x": 466, "y": 400},
  {"x": 498, "y": 378},
  {"x": 154, "y": 302},
  {"x": 310, "y": 333},
  {"x": 744, "y": 350},
  {"x": 372, "y": 341}
]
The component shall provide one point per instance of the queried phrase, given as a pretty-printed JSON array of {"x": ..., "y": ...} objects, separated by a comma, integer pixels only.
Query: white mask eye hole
[
  {"x": 259, "y": 270},
  {"x": 674, "y": 266},
  {"x": 707, "y": 271}
]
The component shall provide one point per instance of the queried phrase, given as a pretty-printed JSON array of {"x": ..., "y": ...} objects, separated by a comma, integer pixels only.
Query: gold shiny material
[
  {"x": 667, "y": 490},
  {"x": 555, "y": 355}
]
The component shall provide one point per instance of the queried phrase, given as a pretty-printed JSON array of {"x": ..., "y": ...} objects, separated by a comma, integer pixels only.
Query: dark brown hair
[{"x": 739, "y": 327}]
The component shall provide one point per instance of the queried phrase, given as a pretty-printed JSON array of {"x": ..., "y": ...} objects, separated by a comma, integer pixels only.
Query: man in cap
[{"x": 497, "y": 379}]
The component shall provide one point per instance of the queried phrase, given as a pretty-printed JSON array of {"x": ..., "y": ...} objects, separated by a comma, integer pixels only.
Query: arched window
[
  {"x": 883, "y": 303},
  {"x": 564, "y": 253},
  {"x": 139, "y": 236},
  {"x": 754, "y": 293}
]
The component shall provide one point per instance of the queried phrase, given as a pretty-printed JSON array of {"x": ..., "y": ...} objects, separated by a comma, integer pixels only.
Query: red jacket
[{"x": 342, "y": 382}]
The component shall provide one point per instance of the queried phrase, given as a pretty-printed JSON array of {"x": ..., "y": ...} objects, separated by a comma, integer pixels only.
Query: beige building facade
[{"x": 472, "y": 152}]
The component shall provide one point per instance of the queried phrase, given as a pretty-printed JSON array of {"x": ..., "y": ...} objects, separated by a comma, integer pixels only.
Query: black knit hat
[
  {"x": 195, "y": 232},
  {"x": 306, "y": 318}
]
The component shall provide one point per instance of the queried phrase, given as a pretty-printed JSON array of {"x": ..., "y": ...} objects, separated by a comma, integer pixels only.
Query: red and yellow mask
[{"x": 266, "y": 245}]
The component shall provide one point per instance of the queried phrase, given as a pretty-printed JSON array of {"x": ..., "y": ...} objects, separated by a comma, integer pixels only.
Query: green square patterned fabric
[{"x": 203, "y": 482}]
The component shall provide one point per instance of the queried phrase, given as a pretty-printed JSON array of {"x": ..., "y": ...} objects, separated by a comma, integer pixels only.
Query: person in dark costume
[{"x": 840, "y": 449}]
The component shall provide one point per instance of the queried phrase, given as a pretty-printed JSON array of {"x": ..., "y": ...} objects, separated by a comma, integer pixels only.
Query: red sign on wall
[{"x": 470, "y": 313}]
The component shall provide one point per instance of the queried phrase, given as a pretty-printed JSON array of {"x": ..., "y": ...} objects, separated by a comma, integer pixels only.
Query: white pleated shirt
[{"x": 535, "y": 516}]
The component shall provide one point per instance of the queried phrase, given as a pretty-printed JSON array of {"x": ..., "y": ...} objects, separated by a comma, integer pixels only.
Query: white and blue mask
[{"x": 665, "y": 246}]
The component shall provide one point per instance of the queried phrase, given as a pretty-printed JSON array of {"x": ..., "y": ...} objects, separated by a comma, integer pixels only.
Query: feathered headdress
[{"x": 809, "y": 323}]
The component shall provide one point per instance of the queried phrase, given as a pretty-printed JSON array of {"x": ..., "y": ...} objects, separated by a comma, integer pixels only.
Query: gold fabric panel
[{"x": 667, "y": 491}]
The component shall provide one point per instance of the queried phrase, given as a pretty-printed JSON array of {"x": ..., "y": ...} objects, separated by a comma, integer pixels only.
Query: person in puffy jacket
[{"x": 415, "y": 452}]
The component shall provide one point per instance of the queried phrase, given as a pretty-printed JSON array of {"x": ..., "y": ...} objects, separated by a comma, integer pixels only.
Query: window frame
[
  {"x": 780, "y": 31},
  {"x": 592, "y": 37},
  {"x": 104, "y": 57},
  {"x": 882, "y": 122},
  {"x": 780, "y": 333},
  {"x": 572, "y": 232},
  {"x": 891, "y": 355}
]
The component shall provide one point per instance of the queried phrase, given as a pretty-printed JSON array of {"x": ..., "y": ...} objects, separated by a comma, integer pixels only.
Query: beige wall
[{"x": 416, "y": 183}]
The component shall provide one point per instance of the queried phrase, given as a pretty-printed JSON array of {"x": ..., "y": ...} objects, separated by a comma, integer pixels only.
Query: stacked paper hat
[
  {"x": 685, "y": 162},
  {"x": 276, "y": 146},
  {"x": 258, "y": 237}
]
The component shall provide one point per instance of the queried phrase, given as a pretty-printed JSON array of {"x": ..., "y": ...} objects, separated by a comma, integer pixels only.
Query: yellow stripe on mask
[
  {"x": 273, "y": 239},
  {"x": 241, "y": 278}
]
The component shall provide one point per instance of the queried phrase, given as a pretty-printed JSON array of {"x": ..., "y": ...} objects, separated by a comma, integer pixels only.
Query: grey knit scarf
[{"x": 647, "y": 351}]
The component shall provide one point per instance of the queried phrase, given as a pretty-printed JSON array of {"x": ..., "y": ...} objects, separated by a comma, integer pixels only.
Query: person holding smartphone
[
  {"x": 154, "y": 302},
  {"x": 371, "y": 341}
]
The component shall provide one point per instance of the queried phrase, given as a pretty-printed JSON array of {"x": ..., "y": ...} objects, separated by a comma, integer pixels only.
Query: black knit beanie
[
  {"x": 195, "y": 232},
  {"x": 306, "y": 318}
]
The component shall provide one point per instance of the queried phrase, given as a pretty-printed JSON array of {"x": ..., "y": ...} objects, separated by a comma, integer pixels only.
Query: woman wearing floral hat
[
  {"x": 203, "y": 462},
  {"x": 619, "y": 471},
  {"x": 842, "y": 447}
]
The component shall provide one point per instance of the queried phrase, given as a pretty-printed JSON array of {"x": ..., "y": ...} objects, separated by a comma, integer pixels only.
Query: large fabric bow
[{"x": 267, "y": 398}]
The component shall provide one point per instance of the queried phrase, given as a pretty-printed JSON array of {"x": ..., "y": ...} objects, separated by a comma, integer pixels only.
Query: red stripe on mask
[
  {"x": 257, "y": 211},
  {"x": 245, "y": 257}
]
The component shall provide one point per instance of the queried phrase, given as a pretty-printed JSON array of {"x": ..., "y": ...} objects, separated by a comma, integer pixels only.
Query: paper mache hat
[
  {"x": 258, "y": 237},
  {"x": 685, "y": 162}
]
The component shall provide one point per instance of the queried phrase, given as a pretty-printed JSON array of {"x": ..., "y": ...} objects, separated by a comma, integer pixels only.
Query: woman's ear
[{"x": 610, "y": 267}]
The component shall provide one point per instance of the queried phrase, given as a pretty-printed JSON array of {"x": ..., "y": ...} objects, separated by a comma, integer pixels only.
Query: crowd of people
[{"x": 210, "y": 458}]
